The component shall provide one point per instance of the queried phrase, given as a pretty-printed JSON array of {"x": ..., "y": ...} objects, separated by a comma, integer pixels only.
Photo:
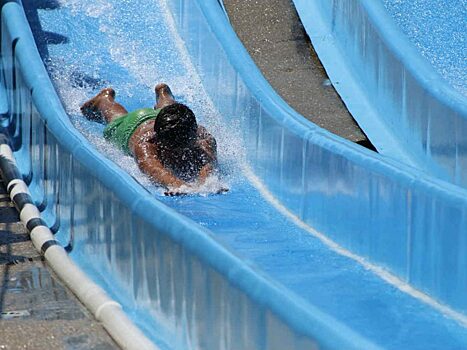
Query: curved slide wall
[
  {"x": 372, "y": 206},
  {"x": 407, "y": 110},
  {"x": 205, "y": 295},
  {"x": 362, "y": 202}
]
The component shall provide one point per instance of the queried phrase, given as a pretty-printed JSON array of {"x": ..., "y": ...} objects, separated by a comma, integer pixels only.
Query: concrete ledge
[{"x": 272, "y": 33}]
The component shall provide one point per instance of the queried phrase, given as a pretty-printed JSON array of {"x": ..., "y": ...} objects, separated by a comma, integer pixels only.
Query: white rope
[{"x": 104, "y": 309}]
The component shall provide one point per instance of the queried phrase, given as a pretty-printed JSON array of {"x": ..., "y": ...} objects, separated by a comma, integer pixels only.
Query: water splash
[{"x": 131, "y": 48}]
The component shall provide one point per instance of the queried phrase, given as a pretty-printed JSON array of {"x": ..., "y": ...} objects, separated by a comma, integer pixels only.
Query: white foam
[{"x": 153, "y": 21}]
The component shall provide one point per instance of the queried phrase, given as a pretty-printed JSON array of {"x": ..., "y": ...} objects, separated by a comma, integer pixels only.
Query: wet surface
[
  {"x": 36, "y": 310},
  {"x": 437, "y": 29},
  {"x": 272, "y": 33},
  {"x": 36, "y": 288},
  {"x": 281, "y": 249}
]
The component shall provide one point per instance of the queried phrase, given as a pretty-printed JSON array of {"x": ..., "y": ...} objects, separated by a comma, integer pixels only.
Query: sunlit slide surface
[
  {"x": 400, "y": 68},
  {"x": 132, "y": 45},
  {"x": 437, "y": 29}
]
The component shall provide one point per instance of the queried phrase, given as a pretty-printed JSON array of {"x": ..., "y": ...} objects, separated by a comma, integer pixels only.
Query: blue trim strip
[
  {"x": 47, "y": 244},
  {"x": 34, "y": 222},
  {"x": 21, "y": 199}
]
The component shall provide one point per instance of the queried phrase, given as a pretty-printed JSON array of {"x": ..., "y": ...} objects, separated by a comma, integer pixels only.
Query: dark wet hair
[
  {"x": 176, "y": 126},
  {"x": 176, "y": 132}
]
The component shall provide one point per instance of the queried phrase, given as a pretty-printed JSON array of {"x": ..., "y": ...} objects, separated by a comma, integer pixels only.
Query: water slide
[
  {"x": 318, "y": 243},
  {"x": 400, "y": 67}
]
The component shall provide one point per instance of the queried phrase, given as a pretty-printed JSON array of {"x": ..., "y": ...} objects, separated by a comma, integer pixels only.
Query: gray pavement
[
  {"x": 36, "y": 310},
  {"x": 272, "y": 33}
]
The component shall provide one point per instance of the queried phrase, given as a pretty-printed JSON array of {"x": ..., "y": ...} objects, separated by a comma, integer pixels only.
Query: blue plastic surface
[
  {"x": 234, "y": 271},
  {"x": 437, "y": 30},
  {"x": 406, "y": 108}
]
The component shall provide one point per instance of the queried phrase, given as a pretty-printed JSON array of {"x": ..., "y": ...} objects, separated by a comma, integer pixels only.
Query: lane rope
[{"x": 106, "y": 310}]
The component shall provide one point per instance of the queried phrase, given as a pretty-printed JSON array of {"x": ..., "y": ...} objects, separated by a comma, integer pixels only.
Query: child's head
[{"x": 175, "y": 126}]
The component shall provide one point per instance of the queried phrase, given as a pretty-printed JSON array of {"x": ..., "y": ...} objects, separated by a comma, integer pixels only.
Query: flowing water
[
  {"x": 438, "y": 28},
  {"x": 132, "y": 45}
]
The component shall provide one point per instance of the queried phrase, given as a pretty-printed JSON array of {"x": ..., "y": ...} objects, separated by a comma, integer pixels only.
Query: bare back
[{"x": 143, "y": 146}]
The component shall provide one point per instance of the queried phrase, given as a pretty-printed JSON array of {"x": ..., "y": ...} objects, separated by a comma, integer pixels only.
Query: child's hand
[
  {"x": 187, "y": 190},
  {"x": 175, "y": 193},
  {"x": 182, "y": 190}
]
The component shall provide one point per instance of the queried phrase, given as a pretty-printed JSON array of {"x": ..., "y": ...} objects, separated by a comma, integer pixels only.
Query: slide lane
[
  {"x": 398, "y": 66},
  {"x": 132, "y": 45},
  {"x": 437, "y": 29}
]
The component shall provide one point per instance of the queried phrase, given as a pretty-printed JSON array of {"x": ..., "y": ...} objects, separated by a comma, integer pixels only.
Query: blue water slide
[
  {"x": 407, "y": 109},
  {"x": 318, "y": 243}
]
